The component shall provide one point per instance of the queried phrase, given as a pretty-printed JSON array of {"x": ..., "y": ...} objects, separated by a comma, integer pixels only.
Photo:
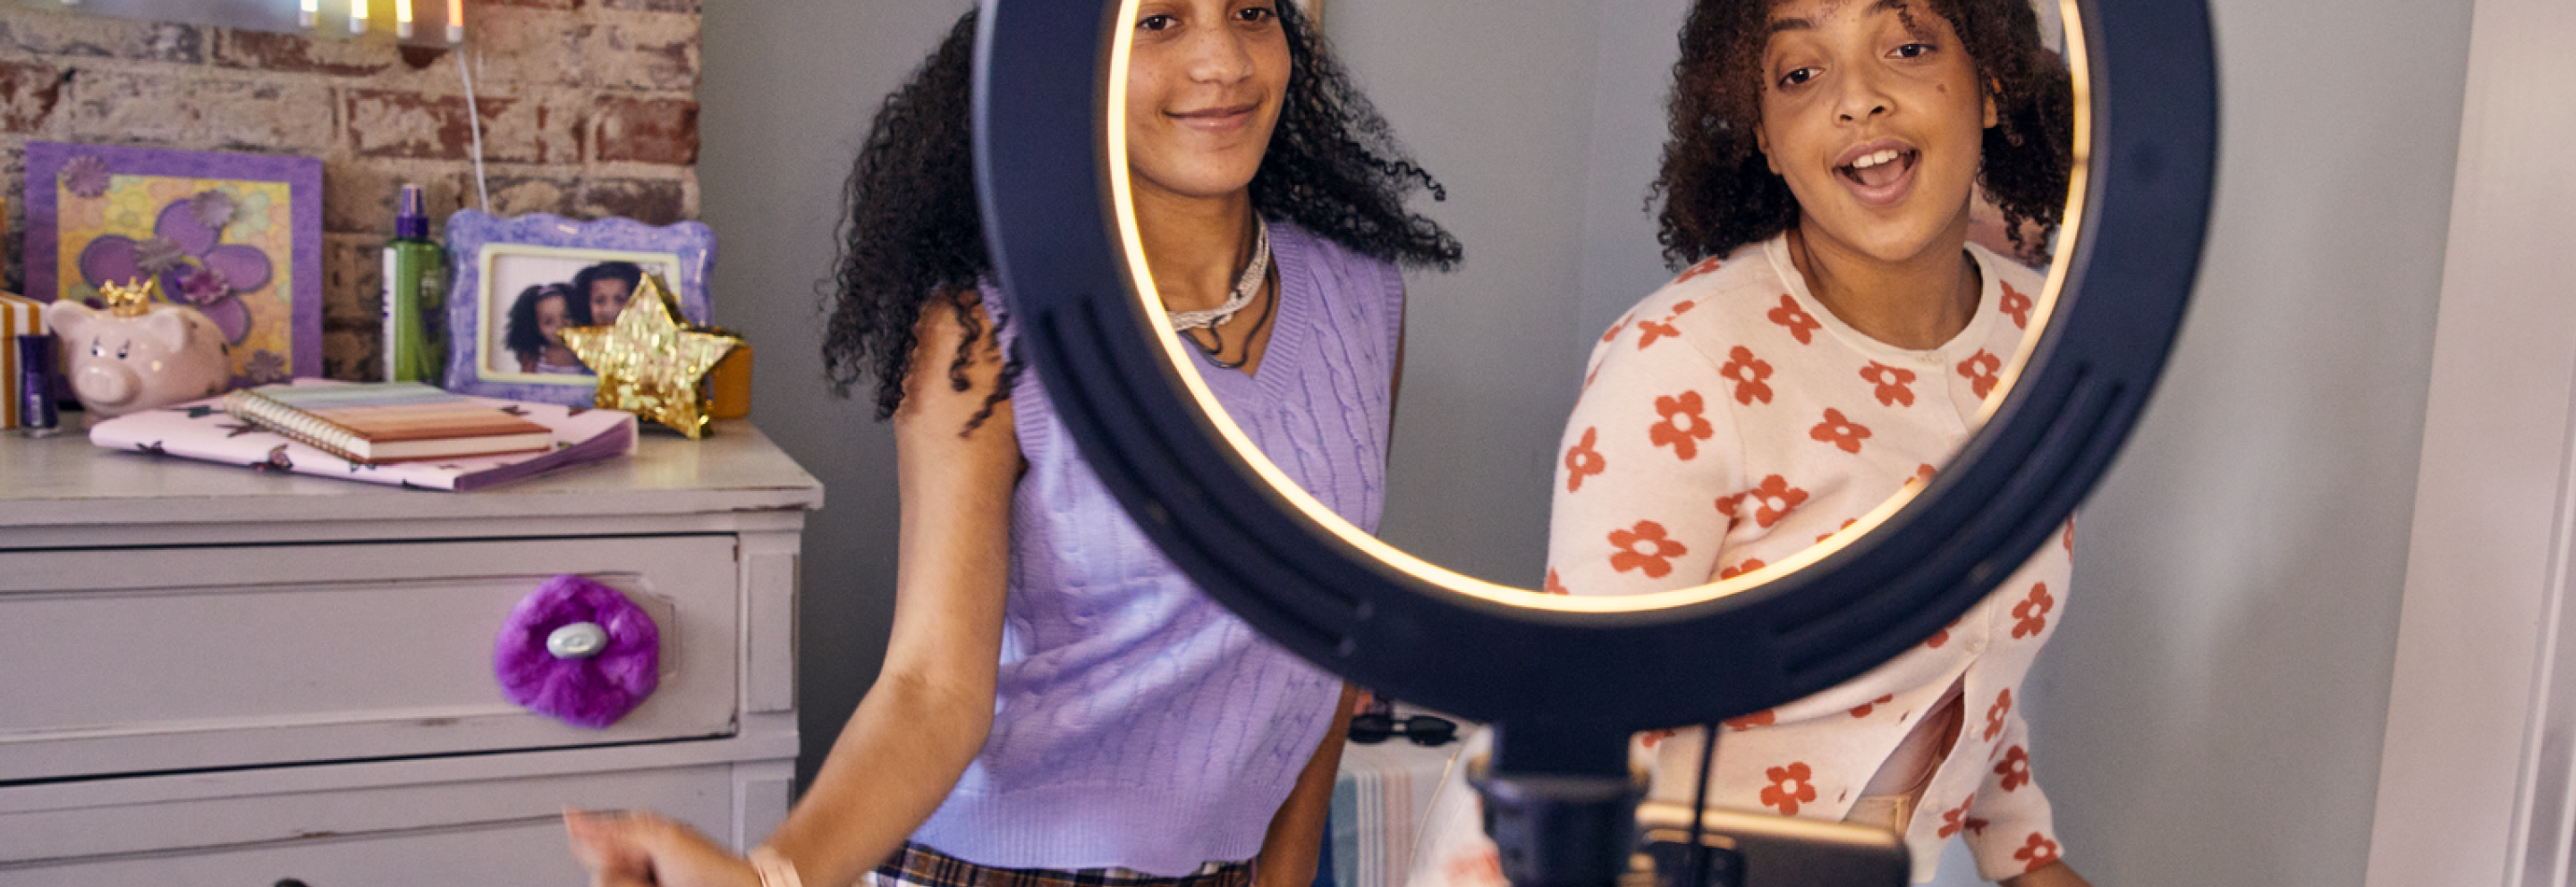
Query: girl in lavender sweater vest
[{"x": 1058, "y": 703}]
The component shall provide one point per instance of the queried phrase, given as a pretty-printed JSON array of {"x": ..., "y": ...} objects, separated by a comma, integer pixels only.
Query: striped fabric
[
  {"x": 18, "y": 316},
  {"x": 1379, "y": 801},
  {"x": 920, "y": 866}
]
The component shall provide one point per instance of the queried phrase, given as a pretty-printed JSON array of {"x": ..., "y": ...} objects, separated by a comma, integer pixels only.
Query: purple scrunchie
[{"x": 584, "y": 692}]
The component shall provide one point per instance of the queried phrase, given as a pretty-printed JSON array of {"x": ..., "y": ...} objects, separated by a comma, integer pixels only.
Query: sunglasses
[{"x": 1373, "y": 728}]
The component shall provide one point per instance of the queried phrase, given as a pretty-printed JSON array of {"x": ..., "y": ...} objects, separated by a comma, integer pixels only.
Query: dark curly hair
[
  {"x": 1719, "y": 194},
  {"x": 523, "y": 338},
  {"x": 911, "y": 234},
  {"x": 627, "y": 272}
]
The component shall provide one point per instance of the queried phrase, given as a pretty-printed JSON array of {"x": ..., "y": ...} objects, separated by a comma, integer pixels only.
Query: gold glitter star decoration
[{"x": 650, "y": 363}]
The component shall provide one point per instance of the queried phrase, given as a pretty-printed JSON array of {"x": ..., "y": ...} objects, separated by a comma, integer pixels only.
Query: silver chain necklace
[{"x": 1245, "y": 287}]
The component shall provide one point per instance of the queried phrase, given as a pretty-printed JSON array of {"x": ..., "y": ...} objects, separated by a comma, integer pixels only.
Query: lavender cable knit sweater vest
[{"x": 1137, "y": 723}]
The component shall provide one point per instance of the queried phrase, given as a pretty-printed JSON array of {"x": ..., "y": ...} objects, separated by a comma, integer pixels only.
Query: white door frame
[{"x": 2474, "y": 784}]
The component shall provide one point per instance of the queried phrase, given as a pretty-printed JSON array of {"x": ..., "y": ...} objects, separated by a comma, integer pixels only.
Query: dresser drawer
[
  {"x": 151, "y": 660},
  {"x": 482, "y": 833},
  {"x": 530, "y": 853}
]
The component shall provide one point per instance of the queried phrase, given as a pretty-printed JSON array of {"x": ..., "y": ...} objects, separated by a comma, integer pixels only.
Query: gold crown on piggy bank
[{"x": 131, "y": 299}]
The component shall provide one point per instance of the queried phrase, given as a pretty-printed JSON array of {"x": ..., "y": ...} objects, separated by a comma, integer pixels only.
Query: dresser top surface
[{"x": 66, "y": 480}]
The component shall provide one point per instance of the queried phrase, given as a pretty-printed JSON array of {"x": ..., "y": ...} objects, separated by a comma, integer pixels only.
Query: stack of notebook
[
  {"x": 376, "y": 424},
  {"x": 400, "y": 433}
]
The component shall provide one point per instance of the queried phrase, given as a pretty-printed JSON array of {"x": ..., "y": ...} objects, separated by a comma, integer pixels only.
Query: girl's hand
[{"x": 645, "y": 850}]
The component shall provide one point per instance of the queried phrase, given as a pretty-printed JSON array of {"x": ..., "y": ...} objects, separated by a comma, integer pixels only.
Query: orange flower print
[
  {"x": 1617, "y": 328},
  {"x": 1654, "y": 738},
  {"x": 1978, "y": 826},
  {"x": 1649, "y": 332},
  {"x": 1980, "y": 369},
  {"x": 2031, "y": 615},
  {"x": 2015, "y": 769},
  {"x": 1726, "y": 505},
  {"x": 1790, "y": 786},
  {"x": 1749, "y": 565},
  {"x": 1891, "y": 382},
  {"x": 1646, "y": 549},
  {"x": 1682, "y": 428},
  {"x": 2068, "y": 539},
  {"x": 1924, "y": 473},
  {"x": 1955, "y": 819},
  {"x": 1776, "y": 497},
  {"x": 1554, "y": 585},
  {"x": 1705, "y": 266},
  {"x": 1846, "y": 525},
  {"x": 1747, "y": 372},
  {"x": 1841, "y": 432},
  {"x": 1940, "y": 637},
  {"x": 2037, "y": 853},
  {"x": 1763, "y": 718},
  {"x": 1582, "y": 460},
  {"x": 1800, "y": 325},
  {"x": 1482, "y": 865},
  {"x": 1862, "y": 710},
  {"x": 1995, "y": 714},
  {"x": 2017, "y": 305}
]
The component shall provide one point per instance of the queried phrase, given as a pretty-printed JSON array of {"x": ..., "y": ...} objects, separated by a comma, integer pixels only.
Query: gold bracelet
[{"x": 773, "y": 868}]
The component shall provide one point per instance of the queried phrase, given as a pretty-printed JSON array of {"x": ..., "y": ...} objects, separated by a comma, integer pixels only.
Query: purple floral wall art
[{"x": 236, "y": 236}]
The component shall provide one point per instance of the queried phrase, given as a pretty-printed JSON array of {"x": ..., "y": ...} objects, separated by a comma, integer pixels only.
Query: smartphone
[{"x": 1749, "y": 849}]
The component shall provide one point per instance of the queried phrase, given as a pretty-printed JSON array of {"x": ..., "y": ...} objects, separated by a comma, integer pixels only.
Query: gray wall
[
  {"x": 1494, "y": 352},
  {"x": 790, "y": 88},
  {"x": 2214, "y": 704},
  {"x": 2211, "y": 712}
]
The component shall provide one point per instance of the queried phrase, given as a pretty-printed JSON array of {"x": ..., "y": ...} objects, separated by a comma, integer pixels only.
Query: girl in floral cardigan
[{"x": 1832, "y": 342}]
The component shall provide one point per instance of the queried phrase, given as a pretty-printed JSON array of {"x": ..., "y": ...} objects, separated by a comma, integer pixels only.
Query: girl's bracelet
[{"x": 773, "y": 868}]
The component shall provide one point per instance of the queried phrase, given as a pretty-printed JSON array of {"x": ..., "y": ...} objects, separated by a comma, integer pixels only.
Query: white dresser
[{"x": 214, "y": 676}]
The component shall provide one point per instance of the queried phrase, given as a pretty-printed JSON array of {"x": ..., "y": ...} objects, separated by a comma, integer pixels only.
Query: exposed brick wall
[{"x": 589, "y": 109}]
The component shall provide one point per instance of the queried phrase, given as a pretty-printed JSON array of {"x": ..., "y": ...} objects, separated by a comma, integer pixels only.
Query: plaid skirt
[{"x": 920, "y": 866}]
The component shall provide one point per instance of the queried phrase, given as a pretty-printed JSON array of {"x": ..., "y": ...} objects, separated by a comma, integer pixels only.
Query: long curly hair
[
  {"x": 523, "y": 336},
  {"x": 1719, "y": 194},
  {"x": 911, "y": 236}
]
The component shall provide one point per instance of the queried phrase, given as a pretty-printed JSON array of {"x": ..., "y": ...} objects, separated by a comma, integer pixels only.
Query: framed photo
[
  {"x": 236, "y": 236},
  {"x": 519, "y": 281}
]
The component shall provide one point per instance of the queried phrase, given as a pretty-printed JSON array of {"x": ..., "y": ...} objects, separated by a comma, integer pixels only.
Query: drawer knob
[
  {"x": 580, "y": 640},
  {"x": 579, "y": 652}
]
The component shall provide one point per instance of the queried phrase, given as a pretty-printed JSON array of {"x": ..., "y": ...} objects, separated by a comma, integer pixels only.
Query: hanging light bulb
[
  {"x": 402, "y": 19},
  {"x": 357, "y": 16},
  {"x": 455, "y": 21},
  {"x": 305, "y": 15}
]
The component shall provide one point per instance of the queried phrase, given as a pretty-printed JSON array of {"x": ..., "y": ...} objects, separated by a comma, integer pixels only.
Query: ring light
[{"x": 1566, "y": 680}]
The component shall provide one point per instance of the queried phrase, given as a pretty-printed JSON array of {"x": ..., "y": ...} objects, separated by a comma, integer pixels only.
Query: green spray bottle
[{"x": 415, "y": 296}]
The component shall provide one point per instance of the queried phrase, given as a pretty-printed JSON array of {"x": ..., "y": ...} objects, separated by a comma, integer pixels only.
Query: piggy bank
[{"x": 137, "y": 357}]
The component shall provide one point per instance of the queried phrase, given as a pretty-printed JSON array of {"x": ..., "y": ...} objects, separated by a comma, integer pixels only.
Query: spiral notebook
[
  {"x": 202, "y": 430},
  {"x": 372, "y": 424}
]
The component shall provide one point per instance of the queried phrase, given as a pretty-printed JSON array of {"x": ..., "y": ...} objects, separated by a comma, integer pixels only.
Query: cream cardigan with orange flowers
[{"x": 1730, "y": 421}]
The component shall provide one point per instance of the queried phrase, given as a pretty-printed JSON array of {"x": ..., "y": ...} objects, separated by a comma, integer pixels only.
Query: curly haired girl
[
  {"x": 1831, "y": 340},
  {"x": 1058, "y": 704},
  {"x": 535, "y": 332}
]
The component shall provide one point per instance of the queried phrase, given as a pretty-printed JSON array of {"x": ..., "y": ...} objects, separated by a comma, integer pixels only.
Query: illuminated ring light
[{"x": 1558, "y": 669}]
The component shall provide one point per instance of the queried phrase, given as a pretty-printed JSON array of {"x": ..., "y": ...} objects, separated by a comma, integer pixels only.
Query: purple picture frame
[
  {"x": 476, "y": 239},
  {"x": 302, "y": 176}
]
